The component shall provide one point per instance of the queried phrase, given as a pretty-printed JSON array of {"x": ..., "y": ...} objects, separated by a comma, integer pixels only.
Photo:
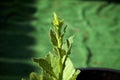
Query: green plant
[{"x": 57, "y": 65}]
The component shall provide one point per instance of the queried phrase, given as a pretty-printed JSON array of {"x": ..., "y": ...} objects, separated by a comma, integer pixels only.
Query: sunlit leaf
[
  {"x": 75, "y": 75},
  {"x": 45, "y": 66},
  {"x": 54, "y": 63},
  {"x": 69, "y": 70}
]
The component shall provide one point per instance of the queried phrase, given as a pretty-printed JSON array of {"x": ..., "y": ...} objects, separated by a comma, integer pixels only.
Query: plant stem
[
  {"x": 60, "y": 58},
  {"x": 58, "y": 23},
  {"x": 60, "y": 43}
]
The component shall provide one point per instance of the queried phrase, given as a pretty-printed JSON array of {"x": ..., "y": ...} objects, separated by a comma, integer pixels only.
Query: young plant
[{"x": 57, "y": 64}]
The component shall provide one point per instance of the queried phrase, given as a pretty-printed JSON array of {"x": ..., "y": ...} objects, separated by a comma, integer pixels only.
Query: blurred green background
[{"x": 24, "y": 27}]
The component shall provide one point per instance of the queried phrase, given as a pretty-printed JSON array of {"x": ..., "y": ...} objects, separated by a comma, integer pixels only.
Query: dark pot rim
[
  {"x": 98, "y": 74},
  {"x": 100, "y": 69}
]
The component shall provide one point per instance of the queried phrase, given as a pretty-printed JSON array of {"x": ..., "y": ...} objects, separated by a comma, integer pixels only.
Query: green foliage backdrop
[{"x": 24, "y": 27}]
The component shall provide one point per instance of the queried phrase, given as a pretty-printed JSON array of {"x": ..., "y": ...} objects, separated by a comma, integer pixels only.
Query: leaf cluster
[{"x": 57, "y": 64}]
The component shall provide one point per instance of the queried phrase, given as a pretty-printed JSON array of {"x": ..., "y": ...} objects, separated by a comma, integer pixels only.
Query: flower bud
[{"x": 57, "y": 21}]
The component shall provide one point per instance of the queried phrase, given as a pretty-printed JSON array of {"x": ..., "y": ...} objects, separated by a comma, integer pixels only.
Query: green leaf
[
  {"x": 34, "y": 76},
  {"x": 69, "y": 50},
  {"x": 71, "y": 39},
  {"x": 65, "y": 46},
  {"x": 45, "y": 66},
  {"x": 47, "y": 76},
  {"x": 23, "y": 79},
  {"x": 56, "y": 51},
  {"x": 64, "y": 30},
  {"x": 60, "y": 52},
  {"x": 54, "y": 61},
  {"x": 75, "y": 75},
  {"x": 69, "y": 44},
  {"x": 53, "y": 38},
  {"x": 69, "y": 70}
]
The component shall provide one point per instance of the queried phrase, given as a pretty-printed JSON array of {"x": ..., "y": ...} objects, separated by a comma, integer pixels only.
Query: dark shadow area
[
  {"x": 16, "y": 28},
  {"x": 18, "y": 1},
  {"x": 98, "y": 74},
  {"x": 16, "y": 52},
  {"x": 19, "y": 69},
  {"x": 113, "y": 1},
  {"x": 15, "y": 25}
]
